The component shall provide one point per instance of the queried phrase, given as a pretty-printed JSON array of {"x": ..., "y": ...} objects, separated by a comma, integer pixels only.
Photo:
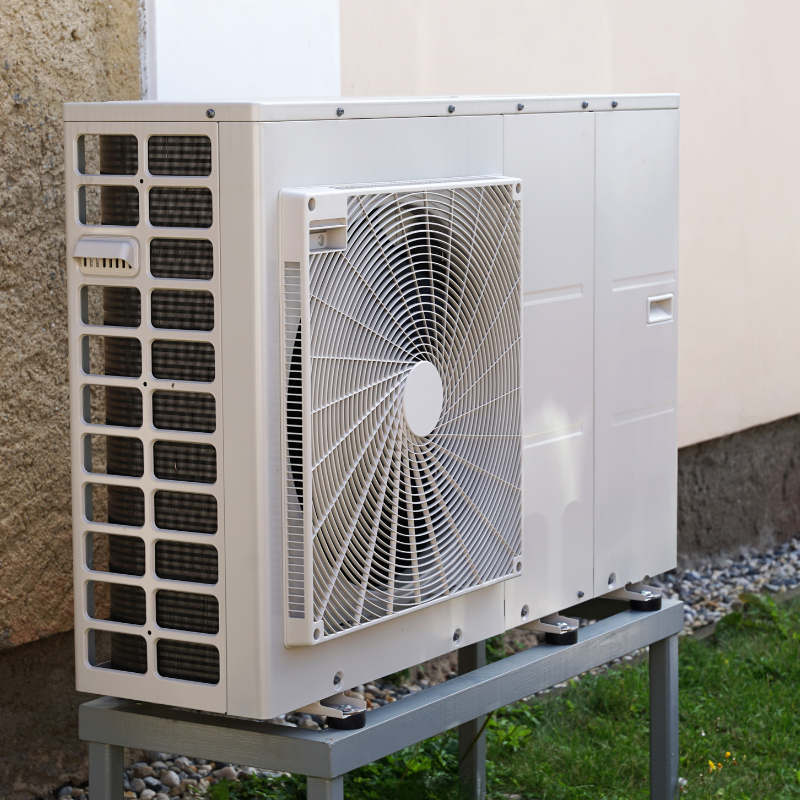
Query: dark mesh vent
[
  {"x": 186, "y": 561},
  {"x": 123, "y": 407},
  {"x": 123, "y": 356},
  {"x": 126, "y": 555},
  {"x": 184, "y": 611},
  {"x": 186, "y": 511},
  {"x": 183, "y": 361},
  {"x": 124, "y": 456},
  {"x": 122, "y": 306},
  {"x": 128, "y": 653},
  {"x": 185, "y": 461},
  {"x": 119, "y": 205},
  {"x": 188, "y": 661},
  {"x": 176, "y": 207},
  {"x": 119, "y": 155},
  {"x": 126, "y": 506},
  {"x": 127, "y": 604},
  {"x": 179, "y": 155},
  {"x": 182, "y": 310},
  {"x": 182, "y": 259},
  {"x": 185, "y": 411}
]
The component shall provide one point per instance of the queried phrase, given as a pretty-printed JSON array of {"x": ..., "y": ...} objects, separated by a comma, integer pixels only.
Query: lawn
[{"x": 739, "y": 729}]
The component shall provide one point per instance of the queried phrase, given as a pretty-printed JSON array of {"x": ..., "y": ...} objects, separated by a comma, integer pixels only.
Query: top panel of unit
[{"x": 360, "y": 108}]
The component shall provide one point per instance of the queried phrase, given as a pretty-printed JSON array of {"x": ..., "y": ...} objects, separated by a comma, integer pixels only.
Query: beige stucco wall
[
  {"x": 51, "y": 51},
  {"x": 736, "y": 67}
]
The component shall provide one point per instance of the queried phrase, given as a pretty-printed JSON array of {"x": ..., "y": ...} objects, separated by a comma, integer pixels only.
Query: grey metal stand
[
  {"x": 471, "y": 735},
  {"x": 110, "y": 724}
]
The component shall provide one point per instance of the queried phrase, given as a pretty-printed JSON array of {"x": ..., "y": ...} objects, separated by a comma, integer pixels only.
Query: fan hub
[{"x": 423, "y": 397}]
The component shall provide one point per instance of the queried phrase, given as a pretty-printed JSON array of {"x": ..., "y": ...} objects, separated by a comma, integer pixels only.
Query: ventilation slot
[
  {"x": 124, "y": 456},
  {"x": 123, "y": 407},
  {"x": 181, "y": 310},
  {"x": 180, "y": 208},
  {"x": 184, "y": 411},
  {"x": 186, "y": 561},
  {"x": 125, "y": 554},
  {"x": 183, "y": 361},
  {"x": 119, "y": 205},
  {"x": 295, "y": 549},
  {"x": 188, "y": 661},
  {"x": 119, "y": 155},
  {"x": 128, "y": 653},
  {"x": 123, "y": 356},
  {"x": 179, "y": 155},
  {"x": 184, "y": 611},
  {"x": 182, "y": 259},
  {"x": 126, "y": 506},
  {"x": 185, "y": 461},
  {"x": 186, "y": 511},
  {"x": 105, "y": 265}
]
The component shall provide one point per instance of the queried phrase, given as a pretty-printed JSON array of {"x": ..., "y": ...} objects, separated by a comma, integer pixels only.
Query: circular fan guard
[{"x": 400, "y": 521}]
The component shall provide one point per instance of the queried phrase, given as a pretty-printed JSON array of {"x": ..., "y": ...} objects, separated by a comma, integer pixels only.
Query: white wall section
[{"x": 207, "y": 50}]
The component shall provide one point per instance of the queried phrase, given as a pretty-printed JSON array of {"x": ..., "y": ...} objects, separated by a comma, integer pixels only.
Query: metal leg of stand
[
  {"x": 106, "y": 763},
  {"x": 663, "y": 719},
  {"x": 471, "y": 736},
  {"x": 321, "y": 789}
]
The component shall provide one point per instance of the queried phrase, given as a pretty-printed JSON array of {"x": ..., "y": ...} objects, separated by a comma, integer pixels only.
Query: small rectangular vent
[
  {"x": 178, "y": 207},
  {"x": 295, "y": 549},
  {"x": 128, "y": 652},
  {"x": 188, "y": 661},
  {"x": 186, "y": 511},
  {"x": 185, "y": 411},
  {"x": 187, "y": 611},
  {"x": 186, "y": 561},
  {"x": 183, "y": 361},
  {"x": 179, "y": 155},
  {"x": 185, "y": 461},
  {"x": 182, "y": 259},
  {"x": 106, "y": 266},
  {"x": 177, "y": 309}
]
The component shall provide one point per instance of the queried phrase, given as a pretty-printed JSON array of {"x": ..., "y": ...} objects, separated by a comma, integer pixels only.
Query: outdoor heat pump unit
[{"x": 357, "y": 383}]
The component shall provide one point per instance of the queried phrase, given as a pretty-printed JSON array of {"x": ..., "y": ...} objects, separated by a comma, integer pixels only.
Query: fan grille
[{"x": 398, "y": 521}]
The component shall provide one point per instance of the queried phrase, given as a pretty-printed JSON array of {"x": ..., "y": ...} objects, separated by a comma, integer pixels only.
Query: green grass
[{"x": 739, "y": 708}]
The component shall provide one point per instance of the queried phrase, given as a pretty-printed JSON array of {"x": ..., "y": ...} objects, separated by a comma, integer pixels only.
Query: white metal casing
[{"x": 591, "y": 363}]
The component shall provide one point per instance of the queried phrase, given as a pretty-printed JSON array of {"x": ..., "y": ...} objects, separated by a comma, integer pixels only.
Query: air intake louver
[{"x": 180, "y": 411}]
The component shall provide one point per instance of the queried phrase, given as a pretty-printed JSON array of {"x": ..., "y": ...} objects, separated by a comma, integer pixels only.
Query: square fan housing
[{"x": 350, "y": 391}]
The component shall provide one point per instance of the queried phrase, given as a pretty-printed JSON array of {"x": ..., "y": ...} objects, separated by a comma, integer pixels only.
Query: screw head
[
  {"x": 336, "y": 680},
  {"x": 520, "y": 106},
  {"x": 320, "y": 240},
  {"x": 456, "y": 636},
  {"x": 584, "y": 104},
  {"x": 210, "y": 113},
  {"x": 451, "y": 109},
  {"x": 524, "y": 612},
  {"x": 614, "y": 104},
  {"x": 339, "y": 112},
  {"x": 611, "y": 578},
  {"x": 580, "y": 593}
]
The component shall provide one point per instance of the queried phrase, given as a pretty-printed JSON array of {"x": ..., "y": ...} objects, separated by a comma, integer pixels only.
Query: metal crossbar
[{"x": 325, "y": 756}]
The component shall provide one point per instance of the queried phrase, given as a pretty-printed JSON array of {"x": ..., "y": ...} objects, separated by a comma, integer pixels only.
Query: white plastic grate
[{"x": 399, "y": 521}]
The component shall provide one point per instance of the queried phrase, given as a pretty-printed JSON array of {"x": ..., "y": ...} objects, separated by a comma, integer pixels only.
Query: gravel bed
[{"x": 708, "y": 594}]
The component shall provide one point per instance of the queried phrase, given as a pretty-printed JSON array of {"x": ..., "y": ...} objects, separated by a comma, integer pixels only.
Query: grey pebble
[
  {"x": 170, "y": 779},
  {"x": 138, "y": 785}
]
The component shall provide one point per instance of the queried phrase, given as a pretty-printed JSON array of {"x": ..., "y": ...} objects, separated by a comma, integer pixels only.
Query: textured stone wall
[
  {"x": 51, "y": 51},
  {"x": 741, "y": 490}
]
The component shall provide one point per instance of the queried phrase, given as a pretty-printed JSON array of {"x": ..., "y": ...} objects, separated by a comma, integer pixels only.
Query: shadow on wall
[{"x": 738, "y": 491}]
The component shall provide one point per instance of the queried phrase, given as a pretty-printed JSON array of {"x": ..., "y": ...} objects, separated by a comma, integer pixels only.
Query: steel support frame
[{"x": 110, "y": 724}]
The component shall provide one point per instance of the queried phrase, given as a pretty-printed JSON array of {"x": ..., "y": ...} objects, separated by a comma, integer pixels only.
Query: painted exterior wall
[{"x": 735, "y": 66}]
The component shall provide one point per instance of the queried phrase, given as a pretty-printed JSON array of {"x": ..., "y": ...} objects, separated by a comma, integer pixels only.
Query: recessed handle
[{"x": 659, "y": 309}]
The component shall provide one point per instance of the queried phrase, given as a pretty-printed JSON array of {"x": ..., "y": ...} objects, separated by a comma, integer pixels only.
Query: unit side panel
[
  {"x": 554, "y": 156},
  {"x": 247, "y": 312},
  {"x": 296, "y": 154},
  {"x": 163, "y": 610},
  {"x": 636, "y": 346}
]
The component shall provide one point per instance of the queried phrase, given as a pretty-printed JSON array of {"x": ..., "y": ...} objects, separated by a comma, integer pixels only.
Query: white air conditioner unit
[{"x": 354, "y": 385}]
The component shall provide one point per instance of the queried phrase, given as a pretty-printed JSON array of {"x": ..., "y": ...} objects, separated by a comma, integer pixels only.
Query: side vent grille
[
  {"x": 182, "y": 259},
  {"x": 180, "y": 208},
  {"x": 179, "y": 155},
  {"x": 189, "y": 412},
  {"x": 295, "y": 558},
  {"x": 188, "y": 661}
]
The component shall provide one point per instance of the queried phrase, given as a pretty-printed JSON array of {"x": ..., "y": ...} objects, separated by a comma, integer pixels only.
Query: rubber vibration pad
[
  {"x": 570, "y": 637},
  {"x": 351, "y": 723},
  {"x": 653, "y": 604}
]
